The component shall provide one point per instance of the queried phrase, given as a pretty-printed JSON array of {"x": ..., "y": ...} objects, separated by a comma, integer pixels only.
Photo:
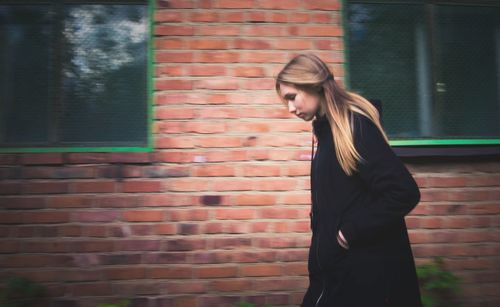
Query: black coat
[{"x": 369, "y": 207}]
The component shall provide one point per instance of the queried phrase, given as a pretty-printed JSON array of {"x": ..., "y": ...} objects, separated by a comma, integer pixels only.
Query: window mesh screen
[
  {"x": 468, "y": 69},
  {"x": 73, "y": 75},
  {"x": 104, "y": 73},
  {"x": 435, "y": 71},
  {"x": 26, "y": 74}
]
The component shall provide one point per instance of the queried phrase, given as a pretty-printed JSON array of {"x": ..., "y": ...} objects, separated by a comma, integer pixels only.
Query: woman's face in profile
[{"x": 302, "y": 104}]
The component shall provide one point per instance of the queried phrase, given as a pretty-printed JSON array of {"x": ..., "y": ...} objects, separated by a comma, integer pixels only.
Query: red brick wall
[{"x": 218, "y": 213}]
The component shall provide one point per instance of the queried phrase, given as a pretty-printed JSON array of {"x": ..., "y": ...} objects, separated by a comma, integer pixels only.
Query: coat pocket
[{"x": 330, "y": 252}]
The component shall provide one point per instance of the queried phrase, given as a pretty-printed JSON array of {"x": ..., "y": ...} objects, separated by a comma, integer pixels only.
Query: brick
[
  {"x": 188, "y": 215},
  {"x": 169, "y": 16},
  {"x": 188, "y": 185},
  {"x": 260, "y": 16},
  {"x": 329, "y": 44},
  {"x": 184, "y": 272},
  {"x": 124, "y": 273},
  {"x": 276, "y": 185},
  {"x": 129, "y": 157},
  {"x": 204, "y": 127},
  {"x": 234, "y": 214},
  {"x": 207, "y": 70},
  {"x": 23, "y": 202},
  {"x": 321, "y": 30},
  {"x": 169, "y": 44},
  {"x": 169, "y": 71},
  {"x": 185, "y": 244},
  {"x": 230, "y": 285},
  {"x": 180, "y": 4},
  {"x": 171, "y": 113},
  {"x": 218, "y": 30},
  {"x": 216, "y": 272},
  {"x": 206, "y": 16},
  {"x": 87, "y": 158},
  {"x": 261, "y": 270},
  {"x": 143, "y": 215},
  {"x": 252, "y": 44},
  {"x": 208, "y": 44},
  {"x": 135, "y": 186},
  {"x": 220, "y": 141},
  {"x": 221, "y": 112},
  {"x": 163, "y": 85},
  {"x": 218, "y": 57},
  {"x": 256, "y": 170},
  {"x": 213, "y": 171},
  {"x": 216, "y": 84},
  {"x": 9, "y": 159},
  {"x": 327, "y": 18},
  {"x": 186, "y": 287},
  {"x": 248, "y": 127},
  {"x": 137, "y": 245},
  {"x": 234, "y": 4},
  {"x": 116, "y": 201},
  {"x": 278, "y": 4},
  {"x": 33, "y": 187},
  {"x": 293, "y": 44},
  {"x": 41, "y": 158},
  {"x": 95, "y": 216},
  {"x": 90, "y": 289},
  {"x": 253, "y": 199},
  {"x": 174, "y": 30},
  {"x": 174, "y": 57},
  {"x": 264, "y": 30},
  {"x": 11, "y": 188},
  {"x": 278, "y": 17},
  {"x": 278, "y": 213},
  {"x": 92, "y": 187},
  {"x": 232, "y": 185},
  {"x": 232, "y": 16},
  {"x": 263, "y": 57},
  {"x": 321, "y": 5},
  {"x": 299, "y": 17},
  {"x": 249, "y": 72}
]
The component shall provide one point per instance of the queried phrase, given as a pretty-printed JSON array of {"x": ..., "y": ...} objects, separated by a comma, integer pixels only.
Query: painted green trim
[
  {"x": 150, "y": 73},
  {"x": 73, "y": 149},
  {"x": 399, "y": 142},
  {"x": 150, "y": 138},
  {"x": 444, "y": 142}
]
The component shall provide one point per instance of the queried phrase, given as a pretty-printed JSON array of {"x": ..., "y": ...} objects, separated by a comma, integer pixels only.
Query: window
[
  {"x": 74, "y": 75},
  {"x": 434, "y": 65}
]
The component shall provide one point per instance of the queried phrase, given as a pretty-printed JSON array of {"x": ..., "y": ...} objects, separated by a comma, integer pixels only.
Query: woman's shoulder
[
  {"x": 366, "y": 133},
  {"x": 362, "y": 122}
]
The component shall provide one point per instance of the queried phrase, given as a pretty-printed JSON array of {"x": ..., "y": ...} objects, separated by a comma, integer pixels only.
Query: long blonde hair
[{"x": 308, "y": 72}]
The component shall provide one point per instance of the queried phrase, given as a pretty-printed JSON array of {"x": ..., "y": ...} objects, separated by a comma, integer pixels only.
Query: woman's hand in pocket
[{"x": 342, "y": 241}]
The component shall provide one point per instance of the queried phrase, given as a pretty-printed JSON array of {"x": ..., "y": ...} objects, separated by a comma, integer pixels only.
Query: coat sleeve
[{"x": 395, "y": 192}]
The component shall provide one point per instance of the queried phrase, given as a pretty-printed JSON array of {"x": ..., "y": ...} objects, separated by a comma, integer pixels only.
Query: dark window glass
[
  {"x": 468, "y": 71},
  {"x": 74, "y": 75},
  {"x": 26, "y": 74},
  {"x": 434, "y": 67},
  {"x": 104, "y": 73}
]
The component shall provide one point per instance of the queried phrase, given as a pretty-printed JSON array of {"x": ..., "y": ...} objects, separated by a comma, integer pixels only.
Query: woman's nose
[{"x": 291, "y": 107}]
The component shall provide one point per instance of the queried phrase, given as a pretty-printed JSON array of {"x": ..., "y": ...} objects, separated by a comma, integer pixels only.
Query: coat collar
[{"x": 320, "y": 125}]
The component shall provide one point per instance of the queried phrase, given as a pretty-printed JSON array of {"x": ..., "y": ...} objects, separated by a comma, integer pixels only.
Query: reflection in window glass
[
  {"x": 468, "y": 53},
  {"x": 25, "y": 76},
  {"x": 104, "y": 72},
  {"x": 383, "y": 61},
  {"x": 439, "y": 83}
]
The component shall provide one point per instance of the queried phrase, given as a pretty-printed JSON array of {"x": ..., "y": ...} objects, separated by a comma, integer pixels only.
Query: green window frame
[
  {"x": 104, "y": 77},
  {"x": 371, "y": 86}
]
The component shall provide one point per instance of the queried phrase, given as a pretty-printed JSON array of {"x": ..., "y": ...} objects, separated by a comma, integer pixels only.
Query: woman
[{"x": 360, "y": 254}]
